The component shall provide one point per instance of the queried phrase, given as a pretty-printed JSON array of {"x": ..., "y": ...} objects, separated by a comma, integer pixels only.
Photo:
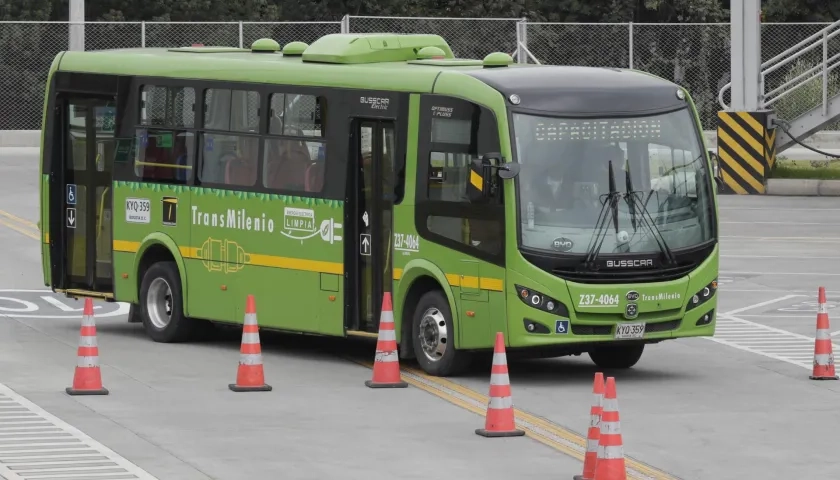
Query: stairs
[{"x": 802, "y": 86}]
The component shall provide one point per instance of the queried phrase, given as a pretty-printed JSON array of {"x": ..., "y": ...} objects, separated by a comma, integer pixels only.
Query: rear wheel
[
  {"x": 433, "y": 337},
  {"x": 617, "y": 356},
  {"x": 161, "y": 304}
]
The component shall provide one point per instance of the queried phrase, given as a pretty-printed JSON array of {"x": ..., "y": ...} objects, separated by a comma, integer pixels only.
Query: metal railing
[
  {"x": 694, "y": 55},
  {"x": 801, "y": 65}
]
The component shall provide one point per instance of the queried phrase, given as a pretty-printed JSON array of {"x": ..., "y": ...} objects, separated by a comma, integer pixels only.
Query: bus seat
[
  {"x": 314, "y": 177},
  {"x": 287, "y": 171},
  {"x": 240, "y": 171}
]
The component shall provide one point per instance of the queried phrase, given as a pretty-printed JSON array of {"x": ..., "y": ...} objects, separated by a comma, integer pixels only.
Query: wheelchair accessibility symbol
[{"x": 561, "y": 327}]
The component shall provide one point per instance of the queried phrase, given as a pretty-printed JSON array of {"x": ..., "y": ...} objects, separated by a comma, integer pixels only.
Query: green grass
[{"x": 807, "y": 169}]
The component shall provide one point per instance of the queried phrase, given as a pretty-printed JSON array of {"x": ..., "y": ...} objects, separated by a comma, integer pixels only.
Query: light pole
[{"x": 77, "y": 24}]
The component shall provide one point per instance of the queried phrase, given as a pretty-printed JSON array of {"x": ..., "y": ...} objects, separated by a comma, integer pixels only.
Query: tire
[
  {"x": 432, "y": 328},
  {"x": 160, "y": 278},
  {"x": 617, "y": 356}
]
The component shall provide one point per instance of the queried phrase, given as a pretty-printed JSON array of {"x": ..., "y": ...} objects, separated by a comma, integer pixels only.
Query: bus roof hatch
[{"x": 372, "y": 48}]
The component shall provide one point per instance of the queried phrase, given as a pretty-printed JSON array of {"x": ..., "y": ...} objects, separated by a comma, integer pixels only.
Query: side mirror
[
  {"x": 495, "y": 161},
  {"x": 509, "y": 170},
  {"x": 715, "y": 161}
]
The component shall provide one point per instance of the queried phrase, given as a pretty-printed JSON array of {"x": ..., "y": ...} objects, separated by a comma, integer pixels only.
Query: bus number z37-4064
[{"x": 603, "y": 300}]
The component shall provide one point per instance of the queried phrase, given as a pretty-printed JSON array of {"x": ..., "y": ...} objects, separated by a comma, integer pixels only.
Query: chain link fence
[{"x": 694, "y": 55}]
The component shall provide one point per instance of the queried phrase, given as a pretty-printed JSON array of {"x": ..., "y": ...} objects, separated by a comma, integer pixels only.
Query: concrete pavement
[{"x": 737, "y": 406}]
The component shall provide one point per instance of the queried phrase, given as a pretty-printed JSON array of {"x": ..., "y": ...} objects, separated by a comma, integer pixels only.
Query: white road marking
[
  {"x": 782, "y": 223},
  {"x": 798, "y": 257},
  {"x": 35, "y": 444},
  {"x": 761, "y": 304},
  {"x": 122, "y": 307},
  {"x": 767, "y": 341},
  {"x": 764, "y": 290},
  {"x": 775, "y": 209},
  {"x": 816, "y": 274}
]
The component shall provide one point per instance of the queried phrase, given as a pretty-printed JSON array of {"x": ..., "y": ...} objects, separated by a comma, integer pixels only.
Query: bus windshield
[{"x": 564, "y": 179}]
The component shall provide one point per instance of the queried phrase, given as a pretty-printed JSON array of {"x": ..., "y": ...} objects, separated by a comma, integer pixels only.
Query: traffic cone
[
  {"x": 386, "y": 364},
  {"x": 499, "y": 420},
  {"x": 87, "y": 380},
  {"x": 250, "y": 376},
  {"x": 823, "y": 353},
  {"x": 591, "y": 457},
  {"x": 610, "y": 464}
]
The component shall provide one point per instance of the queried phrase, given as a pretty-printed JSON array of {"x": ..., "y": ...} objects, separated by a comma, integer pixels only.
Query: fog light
[
  {"x": 531, "y": 327},
  {"x": 705, "y": 319}
]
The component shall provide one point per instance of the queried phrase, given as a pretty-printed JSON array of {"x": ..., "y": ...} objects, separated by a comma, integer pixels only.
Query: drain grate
[{"x": 35, "y": 445}]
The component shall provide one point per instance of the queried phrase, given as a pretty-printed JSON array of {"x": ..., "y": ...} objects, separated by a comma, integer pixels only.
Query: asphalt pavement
[{"x": 737, "y": 406}]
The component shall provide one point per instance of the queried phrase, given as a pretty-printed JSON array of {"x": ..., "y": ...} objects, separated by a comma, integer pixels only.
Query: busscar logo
[{"x": 630, "y": 263}]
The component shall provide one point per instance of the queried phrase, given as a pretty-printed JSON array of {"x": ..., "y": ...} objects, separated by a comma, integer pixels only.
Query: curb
[{"x": 802, "y": 187}]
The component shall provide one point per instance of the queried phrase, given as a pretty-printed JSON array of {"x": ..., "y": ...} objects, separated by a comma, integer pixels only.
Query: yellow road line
[
  {"x": 15, "y": 218},
  {"x": 437, "y": 386},
  {"x": 20, "y": 230}
]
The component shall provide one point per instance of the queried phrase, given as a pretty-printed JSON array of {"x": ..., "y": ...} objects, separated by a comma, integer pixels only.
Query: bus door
[
  {"x": 371, "y": 214},
  {"x": 81, "y": 194}
]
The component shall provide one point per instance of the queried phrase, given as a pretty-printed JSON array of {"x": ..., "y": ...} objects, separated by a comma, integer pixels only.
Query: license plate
[{"x": 630, "y": 330}]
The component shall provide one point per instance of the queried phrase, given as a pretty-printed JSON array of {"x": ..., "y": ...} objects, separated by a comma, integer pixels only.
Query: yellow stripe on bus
[
  {"x": 476, "y": 181},
  {"x": 484, "y": 283}
]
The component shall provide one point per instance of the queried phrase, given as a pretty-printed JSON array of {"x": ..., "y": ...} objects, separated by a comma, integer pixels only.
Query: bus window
[
  {"x": 295, "y": 164},
  {"x": 448, "y": 177},
  {"x": 229, "y": 159},
  {"x": 165, "y": 149},
  {"x": 232, "y": 110},
  {"x": 465, "y": 134},
  {"x": 296, "y": 115},
  {"x": 226, "y": 158}
]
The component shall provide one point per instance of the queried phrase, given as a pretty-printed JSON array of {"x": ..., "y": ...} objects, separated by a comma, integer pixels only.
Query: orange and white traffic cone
[
  {"x": 386, "y": 364},
  {"x": 592, "y": 437},
  {"x": 499, "y": 420},
  {"x": 250, "y": 376},
  {"x": 610, "y": 464},
  {"x": 87, "y": 380},
  {"x": 823, "y": 352}
]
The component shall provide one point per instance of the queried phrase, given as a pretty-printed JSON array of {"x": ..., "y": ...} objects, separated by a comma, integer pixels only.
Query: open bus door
[{"x": 84, "y": 140}]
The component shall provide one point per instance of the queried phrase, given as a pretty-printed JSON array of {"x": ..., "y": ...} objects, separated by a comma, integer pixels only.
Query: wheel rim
[
  {"x": 159, "y": 303},
  {"x": 433, "y": 334}
]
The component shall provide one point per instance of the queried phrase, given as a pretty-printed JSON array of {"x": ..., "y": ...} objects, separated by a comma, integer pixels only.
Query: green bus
[{"x": 571, "y": 208}]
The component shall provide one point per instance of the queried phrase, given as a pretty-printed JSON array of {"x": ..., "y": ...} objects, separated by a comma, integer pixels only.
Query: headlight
[
  {"x": 542, "y": 302},
  {"x": 703, "y": 295}
]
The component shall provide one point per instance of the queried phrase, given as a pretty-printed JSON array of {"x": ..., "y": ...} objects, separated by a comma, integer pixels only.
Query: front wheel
[
  {"x": 617, "y": 356},
  {"x": 433, "y": 337},
  {"x": 162, "y": 309}
]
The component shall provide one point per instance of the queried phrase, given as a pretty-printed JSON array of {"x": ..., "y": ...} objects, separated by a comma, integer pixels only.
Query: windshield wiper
[
  {"x": 610, "y": 202},
  {"x": 633, "y": 201},
  {"x": 631, "y": 205}
]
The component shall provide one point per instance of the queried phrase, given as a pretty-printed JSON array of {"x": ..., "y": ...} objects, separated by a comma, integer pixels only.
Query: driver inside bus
[{"x": 573, "y": 177}]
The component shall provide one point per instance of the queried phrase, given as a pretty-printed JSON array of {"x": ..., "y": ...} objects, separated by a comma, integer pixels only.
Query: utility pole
[
  {"x": 77, "y": 24},
  {"x": 746, "y": 55}
]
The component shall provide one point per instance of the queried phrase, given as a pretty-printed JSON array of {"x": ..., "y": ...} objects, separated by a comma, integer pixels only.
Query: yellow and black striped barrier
[{"x": 746, "y": 150}]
